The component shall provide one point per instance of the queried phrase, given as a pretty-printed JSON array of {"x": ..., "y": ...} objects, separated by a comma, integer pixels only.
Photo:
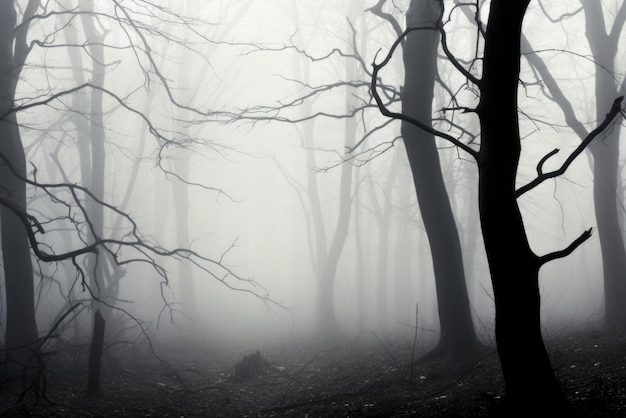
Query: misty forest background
[{"x": 222, "y": 169}]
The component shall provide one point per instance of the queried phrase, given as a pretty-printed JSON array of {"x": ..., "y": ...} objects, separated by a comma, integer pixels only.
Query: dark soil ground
[{"x": 366, "y": 376}]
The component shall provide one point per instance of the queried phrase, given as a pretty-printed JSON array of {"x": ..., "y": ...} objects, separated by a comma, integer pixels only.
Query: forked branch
[{"x": 616, "y": 109}]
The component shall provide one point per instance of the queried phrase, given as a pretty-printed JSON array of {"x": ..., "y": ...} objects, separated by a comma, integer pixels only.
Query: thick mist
[
  {"x": 219, "y": 171},
  {"x": 221, "y": 110}
]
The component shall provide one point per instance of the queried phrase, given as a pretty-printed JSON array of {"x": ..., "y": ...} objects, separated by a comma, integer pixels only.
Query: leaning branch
[
  {"x": 615, "y": 110},
  {"x": 567, "y": 251},
  {"x": 133, "y": 240}
]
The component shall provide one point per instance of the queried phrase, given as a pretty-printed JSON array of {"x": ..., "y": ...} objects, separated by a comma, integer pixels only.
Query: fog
[{"x": 207, "y": 110}]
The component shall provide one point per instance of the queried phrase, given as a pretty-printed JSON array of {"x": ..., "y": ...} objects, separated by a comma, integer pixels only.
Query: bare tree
[
  {"x": 326, "y": 253},
  {"x": 79, "y": 212},
  {"x": 513, "y": 265},
  {"x": 458, "y": 338}
]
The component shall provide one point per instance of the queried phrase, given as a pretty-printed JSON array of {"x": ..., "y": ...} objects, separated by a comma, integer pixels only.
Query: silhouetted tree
[{"x": 513, "y": 265}]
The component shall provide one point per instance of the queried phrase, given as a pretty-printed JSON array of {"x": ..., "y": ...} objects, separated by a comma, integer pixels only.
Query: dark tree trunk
[
  {"x": 514, "y": 267},
  {"x": 100, "y": 282},
  {"x": 95, "y": 354},
  {"x": 458, "y": 337},
  {"x": 21, "y": 327}
]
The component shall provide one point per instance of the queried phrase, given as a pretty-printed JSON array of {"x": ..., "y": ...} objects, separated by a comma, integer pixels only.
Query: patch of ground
[{"x": 365, "y": 376}]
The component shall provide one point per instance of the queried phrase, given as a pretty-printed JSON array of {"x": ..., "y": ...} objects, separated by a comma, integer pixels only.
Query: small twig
[{"x": 57, "y": 324}]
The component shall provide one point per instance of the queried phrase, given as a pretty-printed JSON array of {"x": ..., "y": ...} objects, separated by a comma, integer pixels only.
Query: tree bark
[{"x": 458, "y": 337}]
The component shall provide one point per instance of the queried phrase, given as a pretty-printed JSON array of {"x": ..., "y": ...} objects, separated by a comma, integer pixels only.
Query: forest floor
[{"x": 365, "y": 376}]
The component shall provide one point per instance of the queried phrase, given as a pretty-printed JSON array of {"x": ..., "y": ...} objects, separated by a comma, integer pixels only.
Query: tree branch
[
  {"x": 395, "y": 115},
  {"x": 615, "y": 110},
  {"x": 567, "y": 251}
]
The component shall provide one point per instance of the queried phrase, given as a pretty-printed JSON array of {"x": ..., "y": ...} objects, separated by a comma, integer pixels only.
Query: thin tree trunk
[
  {"x": 96, "y": 271},
  {"x": 383, "y": 216},
  {"x": 326, "y": 281},
  {"x": 360, "y": 259},
  {"x": 181, "y": 207},
  {"x": 325, "y": 257},
  {"x": 604, "y": 47}
]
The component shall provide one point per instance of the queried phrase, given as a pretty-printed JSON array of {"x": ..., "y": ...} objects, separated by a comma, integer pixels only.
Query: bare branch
[
  {"x": 543, "y": 160},
  {"x": 615, "y": 110},
  {"x": 377, "y": 9},
  {"x": 559, "y": 18},
  {"x": 394, "y": 115},
  {"x": 567, "y": 251}
]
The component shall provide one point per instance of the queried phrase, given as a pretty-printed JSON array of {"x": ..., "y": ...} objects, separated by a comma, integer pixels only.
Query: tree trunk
[
  {"x": 458, "y": 337},
  {"x": 360, "y": 259},
  {"x": 326, "y": 257},
  {"x": 604, "y": 47},
  {"x": 102, "y": 284},
  {"x": 326, "y": 321},
  {"x": 181, "y": 206},
  {"x": 326, "y": 280},
  {"x": 383, "y": 279},
  {"x": 182, "y": 163},
  {"x": 21, "y": 327},
  {"x": 95, "y": 354},
  {"x": 514, "y": 267},
  {"x": 383, "y": 213},
  {"x": 606, "y": 204}
]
